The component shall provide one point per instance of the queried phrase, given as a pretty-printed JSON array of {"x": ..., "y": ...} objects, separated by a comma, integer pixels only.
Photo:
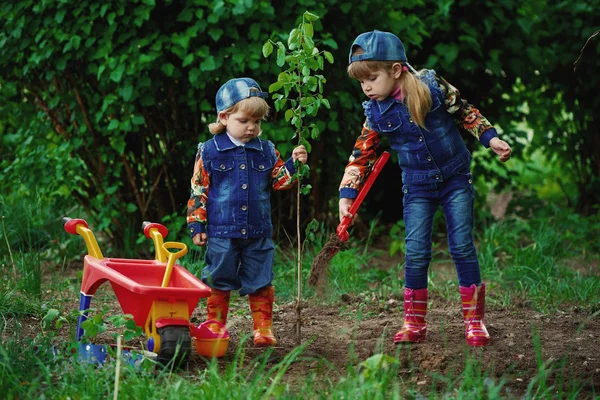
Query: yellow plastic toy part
[
  {"x": 90, "y": 242},
  {"x": 160, "y": 309},
  {"x": 183, "y": 249},
  {"x": 161, "y": 253}
]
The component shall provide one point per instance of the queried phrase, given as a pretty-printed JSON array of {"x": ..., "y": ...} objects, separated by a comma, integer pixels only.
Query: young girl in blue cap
[
  {"x": 229, "y": 210},
  {"x": 422, "y": 115}
]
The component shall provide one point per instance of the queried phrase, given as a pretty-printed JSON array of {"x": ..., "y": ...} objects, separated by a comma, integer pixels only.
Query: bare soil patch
[{"x": 339, "y": 338}]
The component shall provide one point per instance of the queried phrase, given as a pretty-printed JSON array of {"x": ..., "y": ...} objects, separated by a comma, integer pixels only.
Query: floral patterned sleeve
[
  {"x": 281, "y": 177},
  {"x": 360, "y": 163},
  {"x": 466, "y": 116},
  {"x": 196, "y": 212}
]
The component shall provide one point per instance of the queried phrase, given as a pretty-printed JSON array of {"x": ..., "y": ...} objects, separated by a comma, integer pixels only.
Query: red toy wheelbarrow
[{"x": 160, "y": 294}]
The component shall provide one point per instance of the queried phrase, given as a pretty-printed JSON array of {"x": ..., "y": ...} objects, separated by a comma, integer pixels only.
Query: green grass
[
  {"x": 550, "y": 261},
  {"x": 31, "y": 369}
]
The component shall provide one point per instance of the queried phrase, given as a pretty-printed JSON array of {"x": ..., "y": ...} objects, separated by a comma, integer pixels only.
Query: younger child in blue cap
[
  {"x": 422, "y": 116},
  {"x": 229, "y": 210}
]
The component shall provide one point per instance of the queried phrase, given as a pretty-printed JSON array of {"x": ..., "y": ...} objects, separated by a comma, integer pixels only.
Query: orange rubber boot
[
  {"x": 473, "y": 304},
  {"x": 261, "y": 305},
  {"x": 414, "y": 329},
  {"x": 217, "y": 308}
]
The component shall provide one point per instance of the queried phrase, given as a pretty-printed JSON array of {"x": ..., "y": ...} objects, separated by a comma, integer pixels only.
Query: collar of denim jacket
[
  {"x": 223, "y": 143},
  {"x": 385, "y": 104}
]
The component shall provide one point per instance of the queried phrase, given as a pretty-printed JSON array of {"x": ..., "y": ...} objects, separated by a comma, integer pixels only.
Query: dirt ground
[
  {"x": 570, "y": 337},
  {"x": 337, "y": 335}
]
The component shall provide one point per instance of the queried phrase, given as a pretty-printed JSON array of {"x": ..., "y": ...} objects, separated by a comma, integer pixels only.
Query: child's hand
[
  {"x": 199, "y": 239},
  {"x": 344, "y": 207},
  {"x": 300, "y": 154},
  {"x": 501, "y": 148}
]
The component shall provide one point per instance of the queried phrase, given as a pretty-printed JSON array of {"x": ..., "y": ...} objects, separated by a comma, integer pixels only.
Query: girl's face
[
  {"x": 241, "y": 126},
  {"x": 380, "y": 84}
]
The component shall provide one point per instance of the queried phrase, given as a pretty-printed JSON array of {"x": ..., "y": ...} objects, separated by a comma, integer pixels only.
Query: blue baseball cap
[
  {"x": 378, "y": 46},
  {"x": 236, "y": 90}
]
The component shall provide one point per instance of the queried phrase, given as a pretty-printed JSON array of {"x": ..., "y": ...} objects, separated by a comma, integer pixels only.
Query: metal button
[
  {"x": 420, "y": 138},
  {"x": 437, "y": 177},
  {"x": 261, "y": 167},
  {"x": 410, "y": 120},
  {"x": 428, "y": 158},
  {"x": 405, "y": 190},
  {"x": 389, "y": 124},
  {"x": 244, "y": 186},
  {"x": 244, "y": 208},
  {"x": 222, "y": 166},
  {"x": 243, "y": 231},
  {"x": 470, "y": 180},
  {"x": 243, "y": 166}
]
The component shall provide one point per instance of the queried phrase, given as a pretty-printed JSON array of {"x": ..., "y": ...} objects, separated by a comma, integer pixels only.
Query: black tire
[{"x": 175, "y": 345}]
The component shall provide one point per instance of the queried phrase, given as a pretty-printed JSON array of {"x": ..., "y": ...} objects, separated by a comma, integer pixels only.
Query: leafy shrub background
[{"x": 102, "y": 105}]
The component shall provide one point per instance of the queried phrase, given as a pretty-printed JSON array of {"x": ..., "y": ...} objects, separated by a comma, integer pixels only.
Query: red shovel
[
  {"x": 318, "y": 270},
  {"x": 342, "y": 229}
]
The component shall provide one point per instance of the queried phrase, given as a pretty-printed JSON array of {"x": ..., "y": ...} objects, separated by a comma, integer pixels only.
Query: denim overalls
[
  {"x": 435, "y": 171},
  {"x": 239, "y": 253}
]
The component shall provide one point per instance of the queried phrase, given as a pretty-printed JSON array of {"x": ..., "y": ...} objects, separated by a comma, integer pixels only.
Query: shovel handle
[{"x": 342, "y": 229}]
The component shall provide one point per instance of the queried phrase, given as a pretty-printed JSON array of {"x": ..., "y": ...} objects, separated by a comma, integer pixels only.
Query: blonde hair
[
  {"x": 416, "y": 93},
  {"x": 253, "y": 107}
]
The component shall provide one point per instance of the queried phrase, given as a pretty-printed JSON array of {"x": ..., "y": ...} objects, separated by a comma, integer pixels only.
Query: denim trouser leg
[
  {"x": 456, "y": 197},
  {"x": 256, "y": 269},
  {"x": 222, "y": 263},
  {"x": 419, "y": 209},
  {"x": 239, "y": 264},
  {"x": 457, "y": 205}
]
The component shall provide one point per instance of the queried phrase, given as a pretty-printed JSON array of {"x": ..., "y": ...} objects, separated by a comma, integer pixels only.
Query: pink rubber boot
[
  {"x": 414, "y": 329},
  {"x": 473, "y": 303}
]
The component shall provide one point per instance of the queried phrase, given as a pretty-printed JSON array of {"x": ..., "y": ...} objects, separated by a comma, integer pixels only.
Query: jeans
[
  {"x": 238, "y": 264},
  {"x": 455, "y": 195}
]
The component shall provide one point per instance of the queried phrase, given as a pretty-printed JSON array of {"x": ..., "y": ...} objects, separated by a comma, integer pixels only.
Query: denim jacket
[
  {"x": 231, "y": 188},
  {"x": 425, "y": 155}
]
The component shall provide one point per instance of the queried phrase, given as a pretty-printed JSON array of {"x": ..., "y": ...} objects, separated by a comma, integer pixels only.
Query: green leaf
[
  {"x": 208, "y": 64},
  {"x": 168, "y": 69},
  {"x": 185, "y": 16},
  {"x": 280, "y": 57},
  {"x": 138, "y": 120},
  {"x": 117, "y": 73},
  {"x": 114, "y": 124},
  {"x": 267, "y": 49},
  {"x": 60, "y": 16},
  {"x": 328, "y": 56},
  {"x": 50, "y": 316},
  {"x": 188, "y": 59},
  {"x": 289, "y": 113},
  {"x": 310, "y": 16},
  {"x": 294, "y": 39},
  {"x": 61, "y": 64},
  {"x": 215, "y": 33},
  {"x": 127, "y": 92},
  {"x": 308, "y": 45},
  {"x": 275, "y": 86},
  {"x": 308, "y": 30}
]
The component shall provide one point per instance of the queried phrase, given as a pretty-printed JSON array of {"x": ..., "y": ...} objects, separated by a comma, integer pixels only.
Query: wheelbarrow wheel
[{"x": 176, "y": 343}]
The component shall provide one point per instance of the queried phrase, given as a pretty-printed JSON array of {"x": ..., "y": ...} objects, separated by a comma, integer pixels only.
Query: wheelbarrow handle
[
  {"x": 342, "y": 229},
  {"x": 183, "y": 249}
]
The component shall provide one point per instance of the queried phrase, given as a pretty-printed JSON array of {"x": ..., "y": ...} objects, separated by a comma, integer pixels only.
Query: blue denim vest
[
  {"x": 425, "y": 155},
  {"x": 238, "y": 204}
]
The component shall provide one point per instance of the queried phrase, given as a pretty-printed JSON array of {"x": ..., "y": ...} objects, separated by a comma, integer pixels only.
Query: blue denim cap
[
  {"x": 378, "y": 46},
  {"x": 236, "y": 90}
]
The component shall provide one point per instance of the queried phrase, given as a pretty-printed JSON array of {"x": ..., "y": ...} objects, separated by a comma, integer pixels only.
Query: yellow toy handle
[
  {"x": 183, "y": 249},
  {"x": 78, "y": 226}
]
